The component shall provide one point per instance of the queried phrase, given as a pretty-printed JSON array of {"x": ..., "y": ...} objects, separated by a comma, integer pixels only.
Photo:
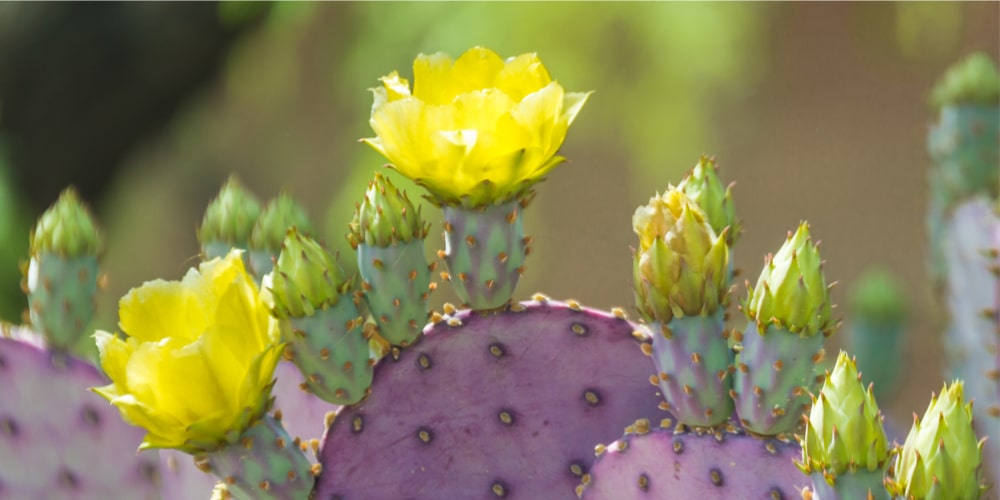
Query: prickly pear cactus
[
  {"x": 789, "y": 314},
  {"x": 62, "y": 274},
  {"x": 505, "y": 404},
  {"x": 326, "y": 337},
  {"x": 964, "y": 145},
  {"x": 388, "y": 236}
]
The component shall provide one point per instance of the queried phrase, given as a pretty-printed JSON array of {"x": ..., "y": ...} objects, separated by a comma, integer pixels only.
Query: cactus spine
[{"x": 388, "y": 235}]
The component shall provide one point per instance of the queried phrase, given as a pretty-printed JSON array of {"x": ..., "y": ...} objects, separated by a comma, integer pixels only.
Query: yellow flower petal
[
  {"x": 192, "y": 383},
  {"x": 522, "y": 75},
  {"x": 475, "y": 131},
  {"x": 161, "y": 309}
]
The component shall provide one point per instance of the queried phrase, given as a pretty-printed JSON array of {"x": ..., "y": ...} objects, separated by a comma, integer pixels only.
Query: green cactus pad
[
  {"x": 693, "y": 362},
  {"x": 228, "y": 220},
  {"x": 67, "y": 229},
  {"x": 269, "y": 232},
  {"x": 61, "y": 294},
  {"x": 306, "y": 278},
  {"x": 704, "y": 187},
  {"x": 775, "y": 372},
  {"x": 331, "y": 350},
  {"x": 974, "y": 80},
  {"x": 396, "y": 285},
  {"x": 263, "y": 463},
  {"x": 941, "y": 458},
  {"x": 485, "y": 251}
]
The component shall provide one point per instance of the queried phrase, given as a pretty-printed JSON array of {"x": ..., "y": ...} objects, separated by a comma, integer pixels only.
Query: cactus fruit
[
  {"x": 844, "y": 445},
  {"x": 789, "y": 317},
  {"x": 58, "y": 440},
  {"x": 388, "y": 235},
  {"x": 478, "y": 133},
  {"x": 326, "y": 335},
  {"x": 61, "y": 276},
  {"x": 228, "y": 221},
  {"x": 491, "y": 405},
  {"x": 680, "y": 277},
  {"x": 661, "y": 463},
  {"x": 875, "y": 335},
  {"x": 269, "y": 231},
  {"x": 941, "y": 457}
]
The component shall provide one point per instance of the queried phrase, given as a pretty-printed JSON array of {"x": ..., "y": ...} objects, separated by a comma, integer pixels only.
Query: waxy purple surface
[{"x": 496, "y": 407}]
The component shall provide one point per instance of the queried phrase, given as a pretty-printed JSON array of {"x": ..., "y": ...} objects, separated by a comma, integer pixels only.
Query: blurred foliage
[{"x": 14, "y": 224}]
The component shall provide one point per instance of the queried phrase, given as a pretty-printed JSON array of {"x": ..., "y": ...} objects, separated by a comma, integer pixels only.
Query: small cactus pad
[
  {"x": 264, "y": 463},
  {"x": 775, "y": 372},
  {"x": 59, "y": 440},
  {"x": 61, "y": 294},
  {"x": 396, "y": 287},
  {"x": 485, "y": 251},
  {"x": 693, "y": 363},
  {"x": 331, "y": 350},
  {"x": 501, "y": 405},
  {"x": 664, "y": 463}
]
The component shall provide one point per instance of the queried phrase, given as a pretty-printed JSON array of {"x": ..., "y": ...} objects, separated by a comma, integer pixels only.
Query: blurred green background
[{"x": 816, "y": 110}]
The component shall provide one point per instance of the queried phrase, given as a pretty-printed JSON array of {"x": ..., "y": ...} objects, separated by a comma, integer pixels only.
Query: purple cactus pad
[
  {"x": 59, "y": 440},
  {"x": 662, "y": 463},
  {"x": 506, "y": 404}
]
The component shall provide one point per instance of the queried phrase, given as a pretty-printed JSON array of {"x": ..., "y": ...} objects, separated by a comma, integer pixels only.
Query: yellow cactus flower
[
  {"x": 475, "y": 131},
  {"x": 198, "y": 363}
]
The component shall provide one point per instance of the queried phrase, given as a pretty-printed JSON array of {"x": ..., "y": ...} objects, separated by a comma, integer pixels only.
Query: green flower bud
[
  {"x": 66, "y": 229},
  {"x": 941, "y": 457},
  {"x": 680, "y": 267},
  {"x": 278, "y": 216},
  {"x": 844, "y": 431},
  {"x": 386, "y": 216},
  {"x": 878, "y": 297},
  {"x": 306, "y": 278},
  {"x": 703, "y": 186},
  {"x": 230, "y": 217},
  {"x": 792, "y": 290},
  {"x": 975, "y": 80}
]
